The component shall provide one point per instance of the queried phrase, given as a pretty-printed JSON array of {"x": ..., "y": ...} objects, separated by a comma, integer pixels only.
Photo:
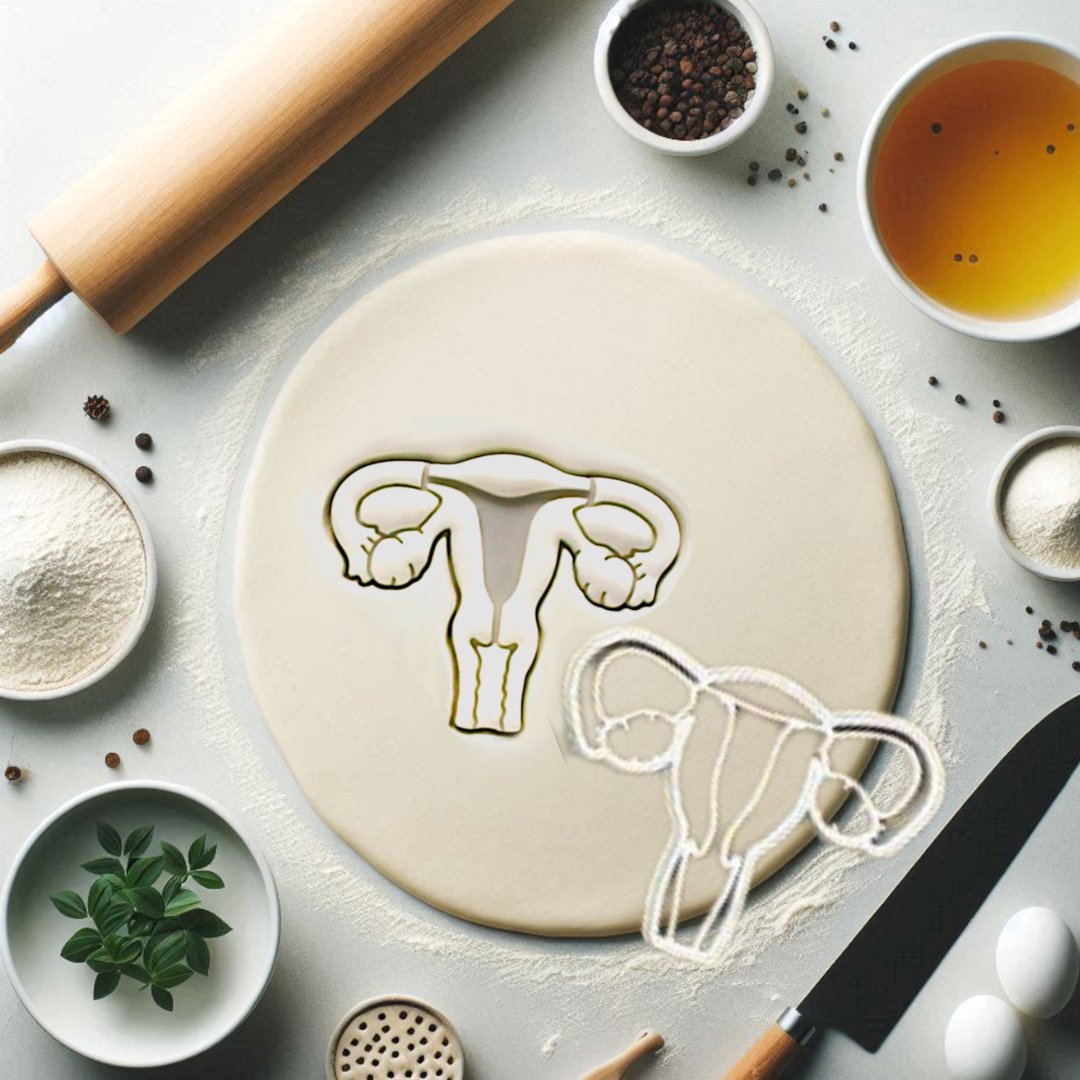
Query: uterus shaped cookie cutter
[
  {"x": 391, "y": 518},
  {"x": 596, "y": 733}
]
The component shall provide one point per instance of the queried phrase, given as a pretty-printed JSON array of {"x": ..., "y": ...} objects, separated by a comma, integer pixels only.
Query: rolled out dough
[{"x": 599, "y": 357}]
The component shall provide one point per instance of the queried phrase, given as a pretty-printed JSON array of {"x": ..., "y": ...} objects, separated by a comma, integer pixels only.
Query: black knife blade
[{"x": 875, "y": 979}]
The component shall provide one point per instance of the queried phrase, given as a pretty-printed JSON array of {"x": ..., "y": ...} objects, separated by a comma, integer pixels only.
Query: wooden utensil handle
[
  {"x": 777, "y": 1049},
  {"x": 23, "y": 303},
  {"x": 647, "y": 1043}
]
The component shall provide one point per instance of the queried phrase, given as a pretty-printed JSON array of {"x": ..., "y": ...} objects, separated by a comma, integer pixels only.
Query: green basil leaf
[
  {"x": 104, "y": 866},
  {"x": 208, "y": 879},
  {"x": 105, "y": 984},
  {"x": 168, "y": 951},
  {"x": 81, "y": 945},
  {"x": 146, "y": 902},
  {"x": 175, "y": 863},
  {"x": 183, "y": 901},
  {"x": 162, "y": 998},
  {"x": 109, "y": 838},
  {"x": 205, "y": 923},
  {"x": 195, "y": 852},
  {"x": 172, "y": 887},
  {"x": 100, "y": 893},
  {"x": 198, "y": 954},
  {"x": 144, "y": 872},
  {"x": 172, "y": 976},
  {"x": 134, "y": 971},
  {"x": 138, "y": 841},
  {"x": 205, "y": 859},
  {"x": 129, "y": 951},
  {"x": 101, "y": 960},
  {"x": 113, "y": 915},
  {"x": 69, "y": 903}
]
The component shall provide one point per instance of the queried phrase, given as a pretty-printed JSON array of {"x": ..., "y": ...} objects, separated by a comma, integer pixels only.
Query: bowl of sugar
[
  {"x": 1035, "y": 502},
  {"x": 967, "y": 186},
  {"x": 77, "y": 571}
]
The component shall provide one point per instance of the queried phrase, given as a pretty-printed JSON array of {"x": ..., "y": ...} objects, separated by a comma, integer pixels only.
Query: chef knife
[{"x": 877, "y": 976}]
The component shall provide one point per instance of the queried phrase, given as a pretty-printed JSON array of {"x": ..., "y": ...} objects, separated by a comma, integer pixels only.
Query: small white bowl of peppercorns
[{"x": 681, "y": 76}]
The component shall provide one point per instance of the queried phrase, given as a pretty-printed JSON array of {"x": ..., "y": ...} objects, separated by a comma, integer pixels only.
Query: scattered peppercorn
[
  {"x": 1050, "y": 148},
  {"x": 683, "y": 72},
  {"x": 933, "y": 380},
  {"x": 806, "y": 176},
  {"x": 143, "y": 441},
  {"x": 830, "y": 44},
  {"x": 1030, "y": 610},
  {"x": 825, "y": 111},
  {"x": 834, "y": 26},
  {"x": 999, "y": 416},
  {"x": 792, "y": 182},
  {"x": 802, "y": 93},
  {"x": 823, "y": 207},
  {"x": 775, "y": 174},
  {"x": 960, "y": 399},
  {"x": 1052, "y": 650},
  {"x": 982, "y": 644},
  {"x": 1076, "y": 665},
  {"x": 755, "y": 165},
  {"x": 751, "y": 180},
  {"x": 958, "y": 257},
  {"x": 13, "y": 774},
  {"x": 791, "y": 109},
  {"x": 996, "y": 403},
  {"x": 800, "y": 127},
  {"x": 1038, "y": 644},
  {"x": 96, "y": 407},
  {"x": 790, "y": 153},
  {"x": 935, "y": 127},
  {"x": 1070, "y": 127},
  {"x": 144, "y": 474},
  {"x": 838, "y": 156},
  {"x": 973, "y": 258},
  {"x": 852, "y": 46},
  {"x": 112, "y": 759},
  {"x": 141, "y": 737}
]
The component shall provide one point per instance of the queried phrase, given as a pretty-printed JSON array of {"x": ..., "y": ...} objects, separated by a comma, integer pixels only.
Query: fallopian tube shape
[
  {"x": 603, "y": 737},
  {"x": 389, "y": 517}
]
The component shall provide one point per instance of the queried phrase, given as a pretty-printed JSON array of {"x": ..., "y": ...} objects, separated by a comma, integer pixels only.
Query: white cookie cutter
[{"x": 888, "y": 829}]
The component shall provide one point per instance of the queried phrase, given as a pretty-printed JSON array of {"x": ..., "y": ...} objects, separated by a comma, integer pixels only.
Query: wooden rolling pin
[{"x": 127, "y": 235}]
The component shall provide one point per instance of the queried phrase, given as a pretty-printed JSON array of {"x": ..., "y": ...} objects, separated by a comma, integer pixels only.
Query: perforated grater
[{"x": 395, "y": 1038}]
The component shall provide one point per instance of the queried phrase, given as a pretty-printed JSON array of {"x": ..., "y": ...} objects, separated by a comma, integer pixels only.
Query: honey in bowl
[{"x": 977, "y": 189}]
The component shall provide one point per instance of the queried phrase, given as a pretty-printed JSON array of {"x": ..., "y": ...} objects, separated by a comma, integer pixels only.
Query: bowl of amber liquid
[{"x": 969, "y": 186}]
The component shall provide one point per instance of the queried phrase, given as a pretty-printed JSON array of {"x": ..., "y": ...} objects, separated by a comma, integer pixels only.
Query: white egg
[
  {"x": 1038, "y": 962},
  {"x": 984, "y": 1041}
]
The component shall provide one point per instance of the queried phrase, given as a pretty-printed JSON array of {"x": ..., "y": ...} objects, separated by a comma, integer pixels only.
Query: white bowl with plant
[{"x": 139, "y": 925}]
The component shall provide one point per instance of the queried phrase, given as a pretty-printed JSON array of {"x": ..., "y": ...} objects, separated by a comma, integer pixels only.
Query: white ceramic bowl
[
  {"x": 759, "y": 35},
  {"x": 127, "y": 1028},
  {"x": 997, "y": 489},
  {"x": 22, "y": 446},
  {"x": 1051, "y": 54}
]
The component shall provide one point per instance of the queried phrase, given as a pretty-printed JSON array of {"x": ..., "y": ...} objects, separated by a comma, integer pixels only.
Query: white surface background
[{"x": 516, "y": 103}]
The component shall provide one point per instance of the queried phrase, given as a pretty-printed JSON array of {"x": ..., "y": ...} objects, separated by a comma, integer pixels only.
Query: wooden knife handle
[{"x": 775, "y": 1051}]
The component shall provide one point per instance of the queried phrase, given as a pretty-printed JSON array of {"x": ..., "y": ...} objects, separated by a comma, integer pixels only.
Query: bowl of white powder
[
  {"x": 77, "y": 571},
  {"x": 1035, "y": 502}
]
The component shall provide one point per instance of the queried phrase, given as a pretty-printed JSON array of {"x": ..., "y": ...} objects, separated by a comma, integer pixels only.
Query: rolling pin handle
[
  {"x": 776, "y": 1050},
  {"x": 21, "y": 305}
]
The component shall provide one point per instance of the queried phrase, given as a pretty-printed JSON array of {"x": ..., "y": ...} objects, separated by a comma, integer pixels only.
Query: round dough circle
[{"x": 605, "y": 357}]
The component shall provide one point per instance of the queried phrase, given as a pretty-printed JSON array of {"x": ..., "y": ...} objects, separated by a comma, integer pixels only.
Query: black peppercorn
[
  {"x": 144, "y": 474},
  {"x": 112, "y": 759},
  {"x": 143, "y": 441},
  {"x": 141, "y": 737}
]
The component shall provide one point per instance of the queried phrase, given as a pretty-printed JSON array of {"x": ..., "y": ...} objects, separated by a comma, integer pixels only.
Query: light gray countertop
[{"x": 515, "y": 105}]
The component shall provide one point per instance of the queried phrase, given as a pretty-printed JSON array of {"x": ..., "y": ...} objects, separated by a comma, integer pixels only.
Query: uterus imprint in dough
[{"x": 502, "y": 521}]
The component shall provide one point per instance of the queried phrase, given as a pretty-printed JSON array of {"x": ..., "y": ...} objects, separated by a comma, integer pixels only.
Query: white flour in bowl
[
  {"x": 73, "y": 571},
  {"x": 1040, "y": 506}
]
